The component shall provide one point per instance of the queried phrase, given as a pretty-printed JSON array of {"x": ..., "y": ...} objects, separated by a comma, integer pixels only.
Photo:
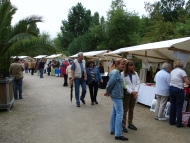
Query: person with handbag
[
  {"x": 132, "y": 82},
  {"x": 114, "y": 89}
]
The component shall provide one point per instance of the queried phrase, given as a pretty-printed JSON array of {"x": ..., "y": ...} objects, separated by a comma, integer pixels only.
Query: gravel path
[{"x": 46, "y": 115}]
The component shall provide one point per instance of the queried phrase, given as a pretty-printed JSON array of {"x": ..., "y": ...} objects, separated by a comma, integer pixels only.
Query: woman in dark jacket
[
  {"x": 93, "y": 77},
  {"x": 49, "y": 68}
]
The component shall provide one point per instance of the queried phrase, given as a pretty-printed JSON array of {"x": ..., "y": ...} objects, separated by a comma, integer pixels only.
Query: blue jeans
[
  {"x": 78, "y": 82},
  {"x": 176, "y": 100},
  {"x": 17, "y": 84},
  {"x": 26, "y": 69},
  {"x": 116, "y": 117},
  {"x": 41, "y": 72}
]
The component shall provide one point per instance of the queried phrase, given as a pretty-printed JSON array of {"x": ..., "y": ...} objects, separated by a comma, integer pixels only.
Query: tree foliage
[
  {"x": 78, "y": 22},
  {"x": 19, "y": 38},
  {"x": 166, "y": 19}
]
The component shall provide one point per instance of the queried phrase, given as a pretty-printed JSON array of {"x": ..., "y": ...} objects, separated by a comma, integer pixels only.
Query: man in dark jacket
[{"x": 41, "y": 68}]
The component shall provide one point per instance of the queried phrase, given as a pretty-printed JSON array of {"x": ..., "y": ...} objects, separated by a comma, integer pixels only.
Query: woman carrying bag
[
  {"x": 132, "y": 82},
  {"x": 93, "y": 77}
]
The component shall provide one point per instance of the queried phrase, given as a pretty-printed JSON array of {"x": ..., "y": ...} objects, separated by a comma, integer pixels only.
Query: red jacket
[{"x": 64, "y": 67}]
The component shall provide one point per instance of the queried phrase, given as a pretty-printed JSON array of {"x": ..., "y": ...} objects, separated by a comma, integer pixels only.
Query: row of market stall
[
  {"x": 152, "y": 55},
  {"x": 54, "y": 56}
]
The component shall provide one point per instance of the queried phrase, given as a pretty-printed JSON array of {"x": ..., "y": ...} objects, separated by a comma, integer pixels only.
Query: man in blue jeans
[
  {"x": 41, "y": 68},
  {"x": 16, "y": 71},
  {"x": 78, "y": 72}
]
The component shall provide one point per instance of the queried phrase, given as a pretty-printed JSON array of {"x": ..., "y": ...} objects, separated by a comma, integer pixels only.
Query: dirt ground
[{"x": 46, "y": 115}]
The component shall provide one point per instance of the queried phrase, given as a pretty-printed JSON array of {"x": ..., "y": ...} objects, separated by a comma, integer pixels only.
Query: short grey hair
[
  {"x": 80, "y": 54},
  {"x": 166, "y": 65}
]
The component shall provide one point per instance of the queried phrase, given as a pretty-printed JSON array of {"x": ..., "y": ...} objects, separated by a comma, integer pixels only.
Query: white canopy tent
[
  {"x": 97, "y": 55},
  {"x": 20, "y": 57},
  {"x": 158, "y": 51},
  {"x": 40, "y": 56},
  {"x": 61, "y": 56},
  {"x": 91, "y": 54}
]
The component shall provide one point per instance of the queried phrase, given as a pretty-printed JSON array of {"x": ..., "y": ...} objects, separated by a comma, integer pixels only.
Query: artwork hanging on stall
[
  {"x": 145, "y": 63},
  {"x": 182, "y": 56},
  {"x": 129, "y": 56},
  {"x": 142, "y": 76},
  {"x": 153, "y": 105},
  {"x": 109, "y": 63}
]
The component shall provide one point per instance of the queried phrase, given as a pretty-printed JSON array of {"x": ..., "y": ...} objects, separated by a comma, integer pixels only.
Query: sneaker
[{"x": 162, "y": 119}]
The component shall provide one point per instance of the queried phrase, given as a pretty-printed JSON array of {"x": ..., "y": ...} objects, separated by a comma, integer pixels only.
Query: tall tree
[
  {"x": 13, "y": 39},
  {"x": 78, "y": 22},
  {"x": 171, "y": 9},
  {"x": 98, "y": 32},
  {"x": 122, "y": 26},
  {"x": 33, "y": 27},
  {"x": 96, "y": 19}
]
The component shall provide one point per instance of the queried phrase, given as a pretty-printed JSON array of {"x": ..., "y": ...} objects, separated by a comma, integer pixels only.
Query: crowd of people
[{"x": 122, "y": 87}]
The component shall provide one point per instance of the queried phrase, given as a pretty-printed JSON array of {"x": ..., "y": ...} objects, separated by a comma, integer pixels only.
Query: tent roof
[
  {"x": 158, "y": 51},
  {"x": 91, "y": 54},
  {"x": 20, "y": 57},
  {"x": 56, "y": 56},
  {"x": 40, "y": 56}
]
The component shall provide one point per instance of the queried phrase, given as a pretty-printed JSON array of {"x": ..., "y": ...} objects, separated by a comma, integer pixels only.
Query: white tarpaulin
[
  {"x": 91, "y": 54},
  {"x": 98, "y": 55},
  {"x": 20, "y": 57},
  {"x": 40, "y": 56},
  {"x": 158, "y": 51},
  {"x": 61, "y": 56}
]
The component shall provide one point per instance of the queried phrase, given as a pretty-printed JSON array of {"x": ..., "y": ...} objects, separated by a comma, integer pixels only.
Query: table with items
[{"x": 146, "y": 94}]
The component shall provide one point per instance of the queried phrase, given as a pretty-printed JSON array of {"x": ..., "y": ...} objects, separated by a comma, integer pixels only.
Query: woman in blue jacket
[
  {"x": 93, "y": 77},
  {"x": 114, "y": 89}
]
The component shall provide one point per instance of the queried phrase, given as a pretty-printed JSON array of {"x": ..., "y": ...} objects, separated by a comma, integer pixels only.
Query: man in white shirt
[{"x": 162, "y": 80}]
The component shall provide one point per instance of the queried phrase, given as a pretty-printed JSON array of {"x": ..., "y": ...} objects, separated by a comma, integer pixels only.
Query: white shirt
[
  {"x": 177, "y": 76},
  {"x": 131, "y": 86},
  {"x": 162, "y": 80}
]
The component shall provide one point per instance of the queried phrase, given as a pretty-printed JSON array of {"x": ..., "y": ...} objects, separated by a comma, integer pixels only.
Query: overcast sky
[{"x": 54, "y": 11}]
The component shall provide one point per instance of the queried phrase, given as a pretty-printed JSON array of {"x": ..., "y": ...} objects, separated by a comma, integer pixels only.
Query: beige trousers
[{"x": 160, "y": 105}]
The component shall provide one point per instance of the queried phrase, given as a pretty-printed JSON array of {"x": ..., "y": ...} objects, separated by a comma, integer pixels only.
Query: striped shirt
[{"x": 92, "y": 75}]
